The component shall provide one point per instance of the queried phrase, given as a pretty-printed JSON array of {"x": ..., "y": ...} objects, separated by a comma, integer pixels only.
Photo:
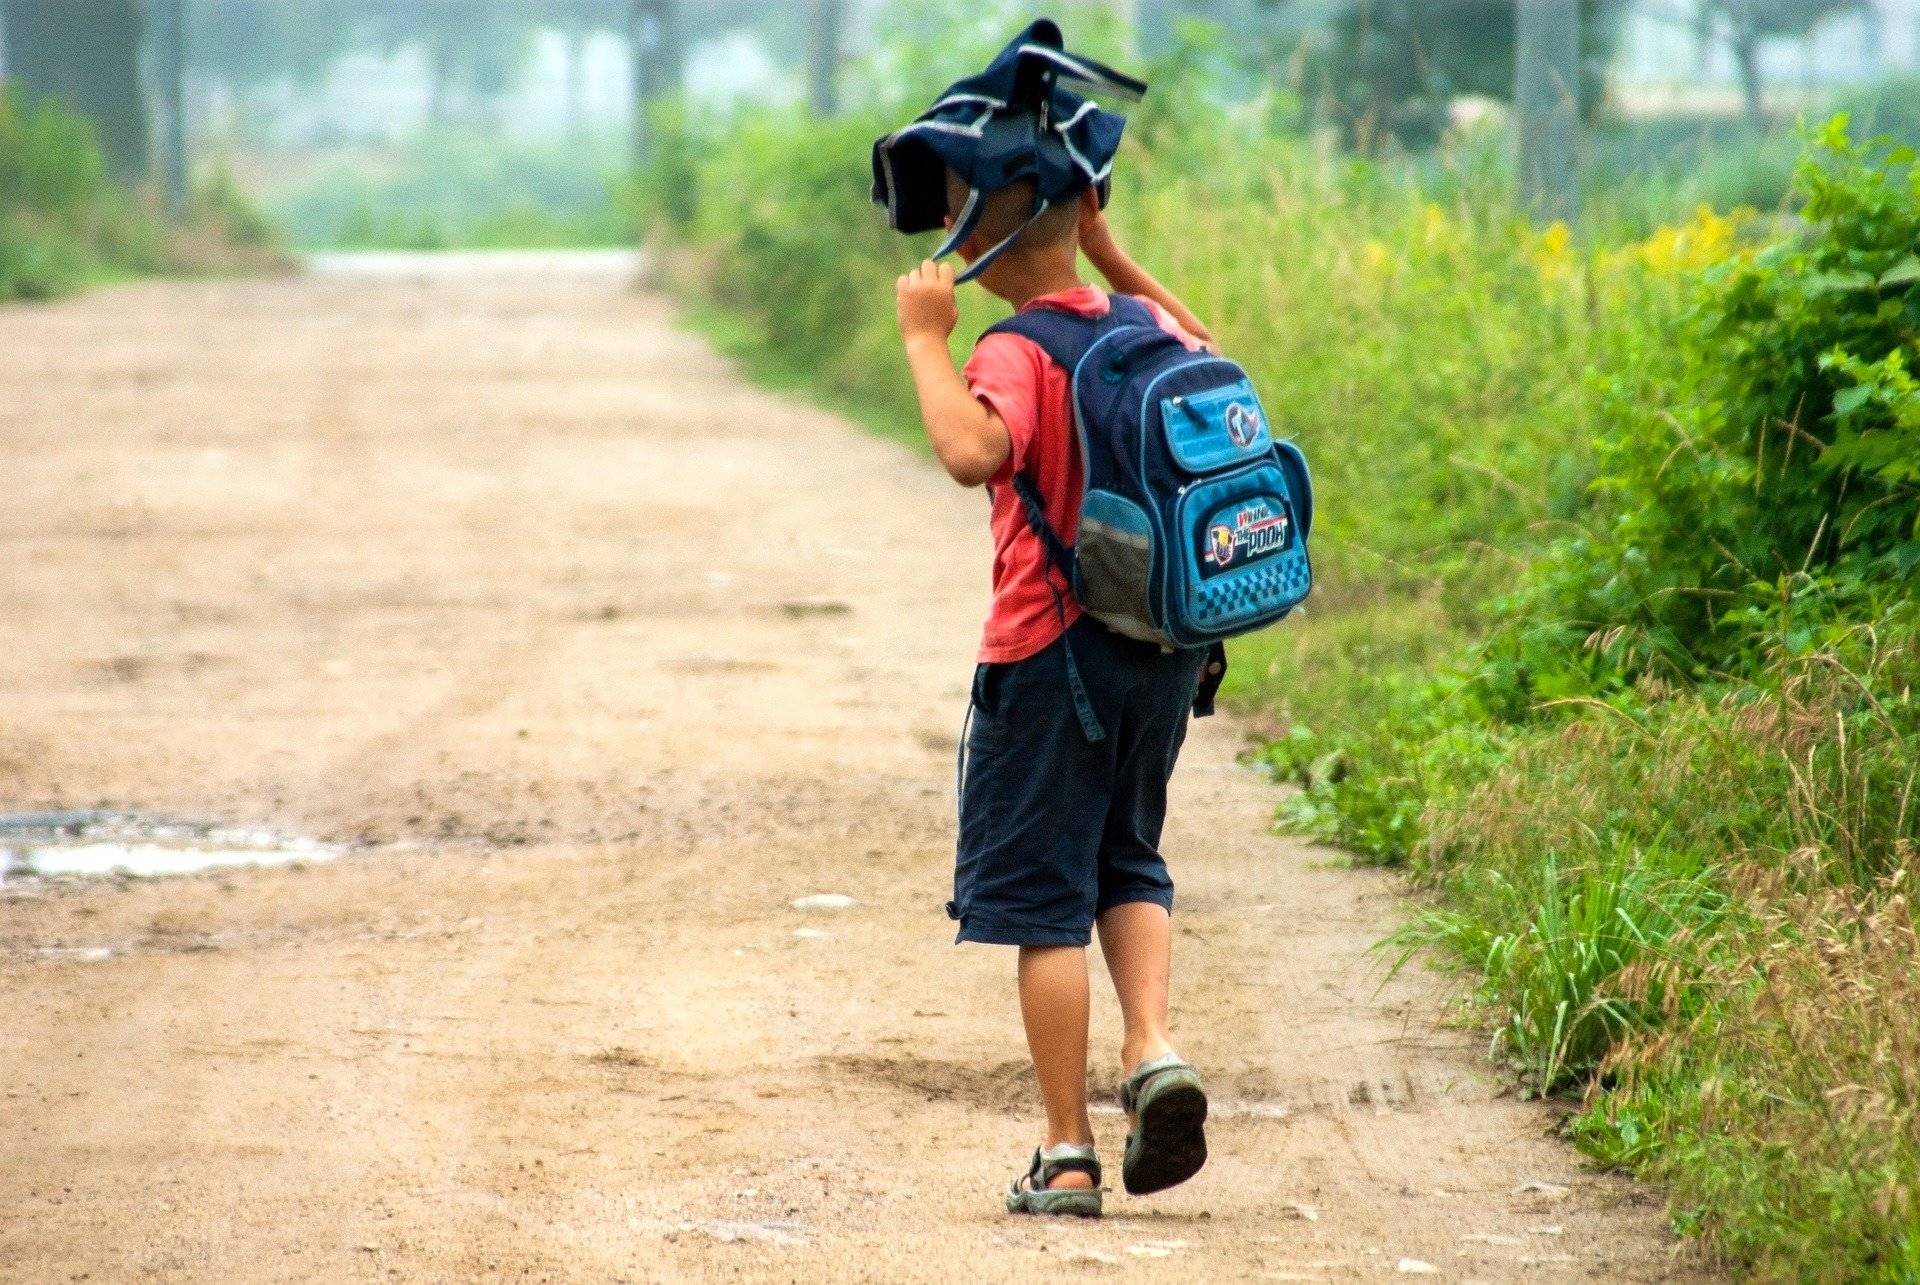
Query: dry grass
[
  {"x": 1757, "y": 1048},
  {"x": 1791, "y": 1112}
]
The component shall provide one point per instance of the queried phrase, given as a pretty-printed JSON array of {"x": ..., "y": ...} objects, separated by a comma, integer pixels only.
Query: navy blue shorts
[{"x": 1054, "y": 828}]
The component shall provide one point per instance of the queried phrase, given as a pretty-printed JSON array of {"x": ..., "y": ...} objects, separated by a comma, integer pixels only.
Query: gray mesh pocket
[{"x": 1116, "y": 565}]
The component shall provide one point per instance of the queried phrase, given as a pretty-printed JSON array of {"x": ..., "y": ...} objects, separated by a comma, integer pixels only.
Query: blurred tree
[
  {"x": 577, "y": 22},
  {"x": 1745, "y": 23},
  {"x": 247, "y": 44},
  {"x": 823, "y": 56},
  {"x": 1391, "y": 68},
  {"x": 1546, "y": 88},
  {"x": 86, "y": 53},
  {"x": 1249, "y": 24},
  {"x": 475, "y": 48},
  {"x": 574, "y": 35}
]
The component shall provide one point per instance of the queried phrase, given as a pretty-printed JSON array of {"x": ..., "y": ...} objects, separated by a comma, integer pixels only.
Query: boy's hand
[{"x": 928, "y": 309}]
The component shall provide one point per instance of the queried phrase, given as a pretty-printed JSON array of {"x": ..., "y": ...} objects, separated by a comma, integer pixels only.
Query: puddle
[{"x": 50, "y": 845}]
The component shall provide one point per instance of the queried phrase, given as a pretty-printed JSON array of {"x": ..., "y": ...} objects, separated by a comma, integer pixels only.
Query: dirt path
[{"x": 601, "y": 659}]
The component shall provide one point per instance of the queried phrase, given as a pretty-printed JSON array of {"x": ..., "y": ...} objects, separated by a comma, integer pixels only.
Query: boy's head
[
  {"x": 1029, "y": 248},
  {"x": 975, "y": 161},
  {"x": 1007, "y": 214}
]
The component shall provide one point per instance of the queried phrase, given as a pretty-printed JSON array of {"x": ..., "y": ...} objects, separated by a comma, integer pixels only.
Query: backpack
[{"x": 1194, "y": 524}]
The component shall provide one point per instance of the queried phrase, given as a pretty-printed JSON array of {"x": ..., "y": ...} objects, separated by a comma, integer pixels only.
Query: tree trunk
[
  {"x": 1546, "y": 92},
  {"x": 439, "y": 81},
  {"x": 86, "y": 54},
  {"x": 1743, "y": 34},
  {"x": 171, "y": 67},
  {"x": 576, "y": 54},
  {"x": 823, "y": 58}
]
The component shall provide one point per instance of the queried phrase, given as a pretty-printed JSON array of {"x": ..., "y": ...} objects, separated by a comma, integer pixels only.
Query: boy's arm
[
  {"x": 1127, "y": 277},
  {"x": 968, "y": 437}
]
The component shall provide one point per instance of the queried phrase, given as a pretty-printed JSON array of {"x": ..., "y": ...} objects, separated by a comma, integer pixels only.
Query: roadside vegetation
[
  {"x": 455, "y": 188},
  {"x": 65, "y": 224},
  {"x": 1615, "y": 639}
]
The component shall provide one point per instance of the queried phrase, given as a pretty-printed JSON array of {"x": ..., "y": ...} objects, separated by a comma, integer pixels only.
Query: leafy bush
[
  {"x": 53, "y": 188},
  {"x": 64, "y": 223},
  {"x": 1763, "y": 489},
  {"x": 1680, "y": 873}
]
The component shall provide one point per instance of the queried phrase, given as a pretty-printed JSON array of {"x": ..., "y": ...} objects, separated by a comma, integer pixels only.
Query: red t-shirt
[{"x": 1032, "y": 396}]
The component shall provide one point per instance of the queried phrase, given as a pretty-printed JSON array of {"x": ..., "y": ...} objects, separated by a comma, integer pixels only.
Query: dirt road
[{"x": 599, "y": 659}]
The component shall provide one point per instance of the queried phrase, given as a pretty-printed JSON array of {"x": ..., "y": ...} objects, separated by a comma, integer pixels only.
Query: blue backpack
[{"x": 1194, "y": 524}]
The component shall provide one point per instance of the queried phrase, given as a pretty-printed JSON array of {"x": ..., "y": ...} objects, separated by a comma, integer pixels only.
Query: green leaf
[
  {"x": 1849, "y": 400},
  {"x": 1834, "y": 282},
  {"x": 1903, "y": 273}
]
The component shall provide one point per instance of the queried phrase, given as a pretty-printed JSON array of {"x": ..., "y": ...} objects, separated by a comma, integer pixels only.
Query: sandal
[
  {"x": 1168, "y": 1108},
  {"x": 1031, "y": 1194}
]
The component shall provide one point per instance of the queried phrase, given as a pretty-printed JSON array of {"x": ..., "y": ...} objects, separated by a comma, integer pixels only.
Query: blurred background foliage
[
  {"x": 1615, "y": 637},
  {"x": 446, "y": 122}
]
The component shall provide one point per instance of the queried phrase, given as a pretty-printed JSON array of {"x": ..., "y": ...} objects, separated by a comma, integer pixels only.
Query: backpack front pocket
[
  {"x": 1215, "y": 428},
  {"x": 1243, "y": 560}
]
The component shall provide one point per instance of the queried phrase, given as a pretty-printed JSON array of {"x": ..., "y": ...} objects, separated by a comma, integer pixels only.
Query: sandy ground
[{"x": 598, "y": 659}]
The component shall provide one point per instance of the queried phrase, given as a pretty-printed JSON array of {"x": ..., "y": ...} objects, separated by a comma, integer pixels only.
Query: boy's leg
[
  {"x": 1166, "y": 1104},
  {"x": 1053, "y": 1004},
  {"x": 1136, "y": 895},
  {"x": 1137, "y": 939},
  {"x": 1033, "y": 804}
]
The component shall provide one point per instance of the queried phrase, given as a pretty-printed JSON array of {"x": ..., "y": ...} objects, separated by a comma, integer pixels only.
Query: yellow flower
[
  {"x": 1553, "y": 255},
  {"x": 1703, "y": 241},
  {"x": 1377, "y": 258},
  {"x": 1661, "y": 251}
]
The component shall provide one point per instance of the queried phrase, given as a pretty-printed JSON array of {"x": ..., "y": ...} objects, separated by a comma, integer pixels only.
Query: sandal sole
[
  {"x": 1057, "y": 1204},
  {"x": 1170, "y": 1138}
]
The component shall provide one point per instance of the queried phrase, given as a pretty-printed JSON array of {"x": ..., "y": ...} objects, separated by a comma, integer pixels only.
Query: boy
[{"x": 1059, "y": 826}]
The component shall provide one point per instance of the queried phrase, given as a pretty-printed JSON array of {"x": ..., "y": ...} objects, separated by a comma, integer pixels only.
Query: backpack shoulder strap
[{"x": 1065, "y": 336}]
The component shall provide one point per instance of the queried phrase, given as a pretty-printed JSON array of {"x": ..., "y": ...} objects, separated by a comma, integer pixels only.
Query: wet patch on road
[{"x": 95, "y": 844}]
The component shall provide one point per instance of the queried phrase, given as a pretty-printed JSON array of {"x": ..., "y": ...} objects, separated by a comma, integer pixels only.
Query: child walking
[{"x": 1073, "y": 727}]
